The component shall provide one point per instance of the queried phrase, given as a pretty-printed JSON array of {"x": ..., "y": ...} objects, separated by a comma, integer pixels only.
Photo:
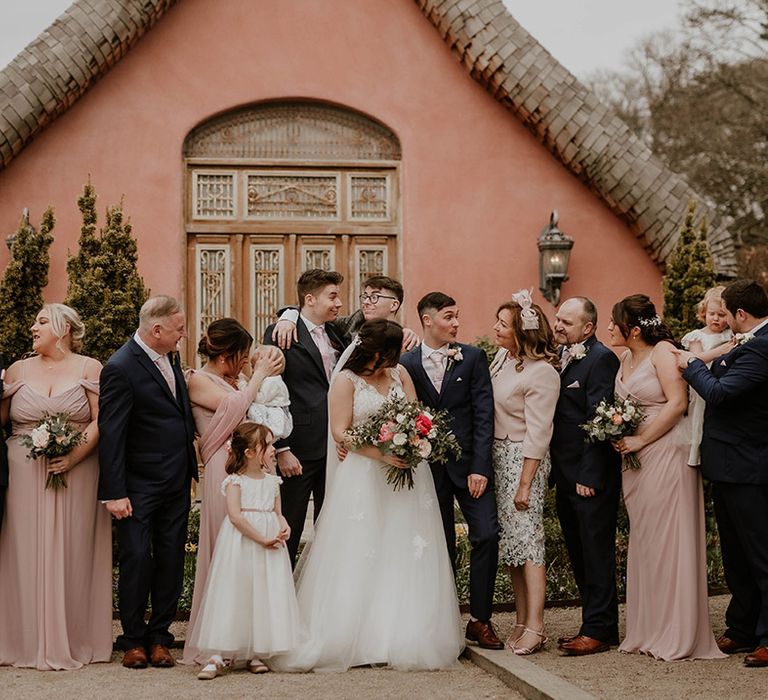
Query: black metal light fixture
[
  {"x": 9, "y": 240},
  {"x": 554, "y": 254}
]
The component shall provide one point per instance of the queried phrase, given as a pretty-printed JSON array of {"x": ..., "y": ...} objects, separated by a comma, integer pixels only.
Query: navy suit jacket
[
  {"x": 307, "y": 385},
  {"x": 583, "y": 384},
  {"x": 734, "y": 447},
  {"x": 467, "y": 395},
  {"x": 146, "y": 435}
]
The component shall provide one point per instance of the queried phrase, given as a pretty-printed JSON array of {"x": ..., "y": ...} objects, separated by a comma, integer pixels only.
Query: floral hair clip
[
  {"x": 528, "y": 315},
  {"x": 228, "y": 445},
  {"x": 653, "y": 321}
]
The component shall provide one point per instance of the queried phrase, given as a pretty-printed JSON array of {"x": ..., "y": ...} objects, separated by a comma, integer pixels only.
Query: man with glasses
[{"x": 382, "y": 297}]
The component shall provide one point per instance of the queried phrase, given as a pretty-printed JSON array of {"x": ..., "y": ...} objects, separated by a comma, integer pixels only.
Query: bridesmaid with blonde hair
[{"x": 55, "y": 544}]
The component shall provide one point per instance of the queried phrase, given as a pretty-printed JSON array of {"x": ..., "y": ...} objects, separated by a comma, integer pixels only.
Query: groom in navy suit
[
  {"x": 146, "y": 461},
  {"x": 587, "y": 476},
  {"x": 734, "y": 456},
  {"x": 454, "y": 377}
]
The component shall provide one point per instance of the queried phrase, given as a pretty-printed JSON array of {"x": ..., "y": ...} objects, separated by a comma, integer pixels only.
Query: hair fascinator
[{"x": 528, "y": 315}]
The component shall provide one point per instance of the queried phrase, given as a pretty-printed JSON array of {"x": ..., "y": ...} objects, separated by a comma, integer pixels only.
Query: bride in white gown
[{"x": 376, "y": 586}]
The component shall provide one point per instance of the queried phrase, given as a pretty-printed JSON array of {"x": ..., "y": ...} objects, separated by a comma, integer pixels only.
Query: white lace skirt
[
  {"x": 522, "y": 531},
  {"x": 377, "y": 585}
]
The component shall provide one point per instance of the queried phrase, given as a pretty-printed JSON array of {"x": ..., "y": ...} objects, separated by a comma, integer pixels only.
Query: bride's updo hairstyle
[
  {"x": 638, "y": 311},
  {"x": 246, "y": 436},
  {"x": 225, "y": 337},
  {"x": 376, "y": 337}
]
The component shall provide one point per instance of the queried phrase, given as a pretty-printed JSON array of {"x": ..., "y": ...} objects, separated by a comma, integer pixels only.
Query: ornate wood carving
[{"x": 294, "y": 131}]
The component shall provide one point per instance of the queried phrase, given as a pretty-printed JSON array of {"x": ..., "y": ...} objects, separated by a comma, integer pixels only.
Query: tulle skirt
[
  {"x": 376, "y": 586},
  {"x": 249, "y": 607}
]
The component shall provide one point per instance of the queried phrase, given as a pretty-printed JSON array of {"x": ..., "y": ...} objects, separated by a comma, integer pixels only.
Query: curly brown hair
[{"x": 536, "y": 344}]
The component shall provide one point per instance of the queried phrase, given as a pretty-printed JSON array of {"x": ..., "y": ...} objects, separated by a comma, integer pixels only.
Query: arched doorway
[{"x": 276, "y": 188}]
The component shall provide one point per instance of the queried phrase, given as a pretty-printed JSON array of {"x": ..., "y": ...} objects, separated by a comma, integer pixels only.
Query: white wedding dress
[{"x": 376, "y": 586}]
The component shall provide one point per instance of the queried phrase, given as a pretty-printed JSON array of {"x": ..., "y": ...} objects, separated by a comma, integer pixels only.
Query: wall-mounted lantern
[{"x": 554, "y": 253}]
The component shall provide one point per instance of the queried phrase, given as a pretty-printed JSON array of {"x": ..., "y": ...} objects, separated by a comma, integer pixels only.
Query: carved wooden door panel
[{"x": 275, "y": 189}]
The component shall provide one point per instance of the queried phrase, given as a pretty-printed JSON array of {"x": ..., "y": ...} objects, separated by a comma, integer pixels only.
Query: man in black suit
[
  {"x": 587, "y": 476},
  {"x": 382, "y": 297},
  {"x": 454, "y": 377},
  {"x": 3, "y": 455},
  {"x": 734, "y": 456},
  {"x": 147, "y": 460},
  {"x": 301, "y": 457}
]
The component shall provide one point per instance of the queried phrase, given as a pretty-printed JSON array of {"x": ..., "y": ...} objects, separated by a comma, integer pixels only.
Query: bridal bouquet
[
  {"x": 614, "y": 420},
  {"x": 409, "y": 430},
  {"x": 53, "y": 436}
]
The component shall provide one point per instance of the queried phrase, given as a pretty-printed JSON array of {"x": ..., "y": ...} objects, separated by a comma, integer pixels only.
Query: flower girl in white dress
[{"x": 249, "y": 609}]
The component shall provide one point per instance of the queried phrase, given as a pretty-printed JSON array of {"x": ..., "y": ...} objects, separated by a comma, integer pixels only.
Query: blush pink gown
[
  {"x": 55, "y": 548},
  {"x": 215, "y": 429},
  {"x": 667, "y": 605}
]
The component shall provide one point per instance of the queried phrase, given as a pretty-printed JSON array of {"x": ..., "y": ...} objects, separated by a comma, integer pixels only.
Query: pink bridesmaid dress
[
  {"x": 215, "y": 429},
  {"x": 667, "y": 605},
  {"x": 55, "y": 548}
]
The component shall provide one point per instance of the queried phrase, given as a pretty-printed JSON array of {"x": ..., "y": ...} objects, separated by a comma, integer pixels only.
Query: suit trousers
[
  {"x": 3, "y": 494},
  {"x": 483, "y": 532},
  {"x": 294, "y": 499},
  {"x": 589, "y": 530},
  {"x": 151, "y": 559},
  {"x": 742, "y": 521}
]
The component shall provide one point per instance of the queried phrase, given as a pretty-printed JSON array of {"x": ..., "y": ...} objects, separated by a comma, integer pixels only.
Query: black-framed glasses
[{"x": 374, "y": 298}]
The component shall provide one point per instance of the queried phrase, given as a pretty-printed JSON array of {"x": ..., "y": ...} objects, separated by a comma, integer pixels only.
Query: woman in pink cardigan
[
  {"x": 219, "y": 407},
  {"x": 526, "y": 386}
]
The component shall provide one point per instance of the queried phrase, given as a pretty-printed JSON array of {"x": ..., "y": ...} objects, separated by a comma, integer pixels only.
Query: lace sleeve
[{"x": 231, "y": 479}]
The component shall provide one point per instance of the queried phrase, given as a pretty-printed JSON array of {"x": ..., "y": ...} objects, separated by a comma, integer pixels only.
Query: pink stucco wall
[{"x": 477, "y": 187}]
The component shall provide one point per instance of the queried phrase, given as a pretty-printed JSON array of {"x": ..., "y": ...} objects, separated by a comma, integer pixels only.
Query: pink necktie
[
  {"x": 437, "y": 360},
  {"x": 325, "y": 348},
  {"x": 164, "y": 365}
]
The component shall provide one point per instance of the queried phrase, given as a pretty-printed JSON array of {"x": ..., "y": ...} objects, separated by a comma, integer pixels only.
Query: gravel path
[
  {"x": 612, "y": 675},
  {"x": 114, "y": 681}
]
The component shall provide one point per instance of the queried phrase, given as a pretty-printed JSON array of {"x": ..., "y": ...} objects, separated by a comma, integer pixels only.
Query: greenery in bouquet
[
  {"x": 53, "y": 436},
  {"x": 614, "y": 420},
  {"x": 408, "y": 430}
]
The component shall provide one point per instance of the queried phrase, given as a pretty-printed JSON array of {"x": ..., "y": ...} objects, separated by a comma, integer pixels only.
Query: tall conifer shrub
[
  {"x": 21, "y": 288},
  {"x": 690, "y": 273},
  {"x": 105, "y": 287}
]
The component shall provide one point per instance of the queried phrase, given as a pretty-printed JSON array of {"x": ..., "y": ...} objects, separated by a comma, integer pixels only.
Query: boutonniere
[
  {"x": 577, "y": 351},
  {"x": 454, "y": 355},
  {"x": 742, "y": 338}
]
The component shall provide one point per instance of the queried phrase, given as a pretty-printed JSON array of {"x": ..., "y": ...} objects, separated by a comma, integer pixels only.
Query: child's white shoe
[
  {"x": 208, "y": 672},
  {"x": 257, "y": 666}
]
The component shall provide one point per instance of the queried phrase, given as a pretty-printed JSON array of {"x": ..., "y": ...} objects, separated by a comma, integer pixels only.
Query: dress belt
[{"x": 257, "y": 510}]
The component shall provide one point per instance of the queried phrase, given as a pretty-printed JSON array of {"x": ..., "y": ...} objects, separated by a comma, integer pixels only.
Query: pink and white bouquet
[
  {"x": 614, "y": 420},
  {"x": 53, "y": 436},
  {"x": 410, "y": 431}
]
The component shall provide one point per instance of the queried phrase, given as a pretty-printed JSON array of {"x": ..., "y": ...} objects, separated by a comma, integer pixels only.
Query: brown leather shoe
[
  {"x": 135, "y": 658},
  {"x": 731, "y": 646},
  {"x": 482, "y": 634},
  {"x": 160, "y": 657},
  {"x": 566, "y": 640},
  {"x": 581, "y": 645},
  {"x": 759, "y": 657}
]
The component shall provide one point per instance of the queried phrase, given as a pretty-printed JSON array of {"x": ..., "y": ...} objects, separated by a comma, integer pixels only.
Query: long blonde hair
[{"x": 60, "y": 316}]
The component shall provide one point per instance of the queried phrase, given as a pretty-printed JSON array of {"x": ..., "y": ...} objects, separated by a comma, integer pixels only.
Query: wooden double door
[{"x": 251, "y": 276}]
